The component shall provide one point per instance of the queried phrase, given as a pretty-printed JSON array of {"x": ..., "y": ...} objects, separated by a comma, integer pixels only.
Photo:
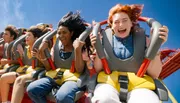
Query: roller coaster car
[{"x": 125, "y": 79}]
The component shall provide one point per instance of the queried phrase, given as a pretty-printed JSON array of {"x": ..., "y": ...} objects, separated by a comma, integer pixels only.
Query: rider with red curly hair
[{"x": 125, "y": 50}]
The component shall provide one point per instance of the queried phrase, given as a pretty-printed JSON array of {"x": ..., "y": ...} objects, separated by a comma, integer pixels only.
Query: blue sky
[{"x": 25, "y": 13}]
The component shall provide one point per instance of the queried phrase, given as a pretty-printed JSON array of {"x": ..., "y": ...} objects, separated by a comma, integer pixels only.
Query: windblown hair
[
  {"x": 133, "y": 11},
  {"x": 76, "y": 25},
  {"x": 37, "y": 32},
  {"x": 21, "y": 31},
  {"x": 13, "y": 31},
  {"x": 44, "y": 27}
]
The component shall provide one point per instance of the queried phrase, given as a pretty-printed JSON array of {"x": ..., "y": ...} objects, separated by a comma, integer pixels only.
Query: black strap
[
  {"x": 23, "y": 71},
  {"x": 59, "y": 75},
  {"x": 123, "y": 80}
]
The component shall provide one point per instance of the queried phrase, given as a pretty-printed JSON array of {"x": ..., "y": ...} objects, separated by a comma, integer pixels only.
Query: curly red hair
[{"x": 133, "y": 11}]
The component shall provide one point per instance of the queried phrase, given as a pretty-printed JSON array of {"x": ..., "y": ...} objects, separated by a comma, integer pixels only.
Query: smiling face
[
  {"x": 64, "y": 35},
  {"x": 7, "y": 36},
  {"x": 121, "y": 24},
  {"x": 30, "y": 39}
]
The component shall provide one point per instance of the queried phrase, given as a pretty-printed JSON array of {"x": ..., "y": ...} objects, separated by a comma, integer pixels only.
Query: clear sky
[{"x": 25, "y": 13}]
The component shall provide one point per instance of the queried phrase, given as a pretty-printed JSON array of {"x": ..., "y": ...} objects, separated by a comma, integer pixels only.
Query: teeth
[{"x": 122, "y": 30}]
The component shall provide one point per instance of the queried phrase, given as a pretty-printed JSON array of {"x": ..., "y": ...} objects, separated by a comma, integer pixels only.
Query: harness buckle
[
  {"x": 59, "y": 75},
  {"x": 123, "y": 81}
]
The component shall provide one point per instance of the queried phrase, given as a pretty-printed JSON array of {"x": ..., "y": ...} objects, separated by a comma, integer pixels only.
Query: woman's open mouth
[{"x": 122, "y": 31}]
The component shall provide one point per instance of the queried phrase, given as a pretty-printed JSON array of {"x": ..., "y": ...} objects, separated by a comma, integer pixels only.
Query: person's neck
[
  {"x": 122, "y": 37},
  {"x": 30, "y": 48},
  {"x": 68, "y": 48},
  {"x": 9, "y": 41}
]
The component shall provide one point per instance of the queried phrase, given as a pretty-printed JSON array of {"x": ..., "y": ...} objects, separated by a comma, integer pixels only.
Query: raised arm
[{"x": 155, "y": 66}]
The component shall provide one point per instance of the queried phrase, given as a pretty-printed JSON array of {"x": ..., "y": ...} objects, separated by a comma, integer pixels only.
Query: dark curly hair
[
  {"x": 76, "y": 25},
  {"x": 13, "y": 31},
  {"x": 37, "y": 32},
  {"x": 21, "y": 31}
]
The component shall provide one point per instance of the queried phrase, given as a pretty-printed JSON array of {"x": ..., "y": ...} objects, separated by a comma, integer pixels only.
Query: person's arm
[
  {"x": 98, "y": 64},
  {"x": 13, "y": 62},
  {"x": 79, "y": 62},
  {"x": 97, "y": 61},
  {"x": 155, "y": 66},
  {"x": 5, "y": 61},
  {"x": 40, "y": 55}
]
